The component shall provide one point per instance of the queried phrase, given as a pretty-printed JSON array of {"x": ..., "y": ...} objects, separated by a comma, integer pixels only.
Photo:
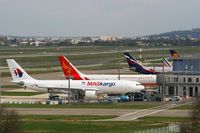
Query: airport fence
[{"x": 172, "y": 128}]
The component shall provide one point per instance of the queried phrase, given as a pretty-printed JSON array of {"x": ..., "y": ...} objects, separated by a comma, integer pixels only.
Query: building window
[
  {"x": 196, "y": 91},
  {"x": 184, "y": 91},
  {"x": 171, "y": 90},
  {"x": 184, "y": 80},
  {"x": 175, "y": 79},
  {"x": 189, "y": 80},
  {"x": 186, "y": 67},
  {"x": 191, "y": 91},
  {"x": 197, "y": 80}
]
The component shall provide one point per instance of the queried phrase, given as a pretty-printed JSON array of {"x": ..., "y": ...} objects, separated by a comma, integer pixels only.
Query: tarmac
[{"x": 123, "y": 114}]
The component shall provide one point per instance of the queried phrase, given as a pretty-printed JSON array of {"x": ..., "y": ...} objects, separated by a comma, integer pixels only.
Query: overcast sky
[{"x": 97, "y": 17}]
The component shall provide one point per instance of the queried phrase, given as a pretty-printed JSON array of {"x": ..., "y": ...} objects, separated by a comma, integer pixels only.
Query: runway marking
[
  {"x": 131, "y": 113},
  {"x": 146, "y": 112}
]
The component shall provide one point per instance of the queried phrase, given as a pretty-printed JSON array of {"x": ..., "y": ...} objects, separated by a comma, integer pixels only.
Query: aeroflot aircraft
[
  {"x": 90, "y": 87},
  {"x": 136, "y": 66},
  {"x": 146, "y": 80}
]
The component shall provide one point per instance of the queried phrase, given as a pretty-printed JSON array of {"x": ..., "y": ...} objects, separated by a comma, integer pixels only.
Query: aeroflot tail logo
[
  {"x": 18, "y": 72},
  {"x": 90, "y": 83}
]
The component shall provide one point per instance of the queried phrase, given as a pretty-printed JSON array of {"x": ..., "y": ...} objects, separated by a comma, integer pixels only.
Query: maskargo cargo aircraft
[
  {"x": 90, "y": 87},
  {"x": 146, "y": 80}
]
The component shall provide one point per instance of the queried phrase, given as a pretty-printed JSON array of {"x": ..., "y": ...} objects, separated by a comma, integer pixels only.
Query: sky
[{"x": 97, "y": 17}]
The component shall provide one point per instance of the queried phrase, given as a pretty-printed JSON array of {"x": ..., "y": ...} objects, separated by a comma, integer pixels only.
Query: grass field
[
  {"x": 95, "y": 106},
  {"x": 184, "y": 107},
  {"x": 20, "y": 93},
  {"x": 85, "y": 124},
  {"x": 63, "y": 117},
  {"x": 45, "y": 59},
  {"x": 10, "y": 86}
]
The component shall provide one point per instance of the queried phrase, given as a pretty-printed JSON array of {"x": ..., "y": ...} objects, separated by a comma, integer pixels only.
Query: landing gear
[
  {"x": 52, "y": 96},
  {"x": 130, "y": 95}
]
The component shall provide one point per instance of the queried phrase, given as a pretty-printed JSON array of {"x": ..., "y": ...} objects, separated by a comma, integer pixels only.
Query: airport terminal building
[{"x": 184, "y": 81}]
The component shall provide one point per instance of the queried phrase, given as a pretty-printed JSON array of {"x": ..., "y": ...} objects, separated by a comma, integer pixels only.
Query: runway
[
  {"x": 116, "y": 112},
  {"x": 121, "y": 114}
]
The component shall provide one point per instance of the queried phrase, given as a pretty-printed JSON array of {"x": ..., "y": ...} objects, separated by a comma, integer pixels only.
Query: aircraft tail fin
[
  {"x": 17, "y": 72},
  {"x": 128, "y": 55},
  {"x": 70, "y": 70},
  {"x": 166, "y": 63},
  {"x": 136, "y": 66},
  {"x": 132, "y": 62},
  {"x": 174, "y": 54}
]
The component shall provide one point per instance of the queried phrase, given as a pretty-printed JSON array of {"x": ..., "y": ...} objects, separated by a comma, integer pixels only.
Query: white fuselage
[
  {"x": 146, "y": 80},
  {"x": 160, "y": 69},
  {"x": 101, "y": 86}
]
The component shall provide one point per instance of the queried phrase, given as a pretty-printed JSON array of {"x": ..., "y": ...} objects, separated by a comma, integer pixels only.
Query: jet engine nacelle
[{"x": 90, "y": 94}]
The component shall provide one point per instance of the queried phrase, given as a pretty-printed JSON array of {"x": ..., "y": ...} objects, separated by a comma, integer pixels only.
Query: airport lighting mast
[
  {"x": 163, "y": 75},
  {"x": 118, "y": 50},
  {"x": 69, "y": 91},
  {"x": 0, "y": 87},
  {"x": 154, "y": 55}
]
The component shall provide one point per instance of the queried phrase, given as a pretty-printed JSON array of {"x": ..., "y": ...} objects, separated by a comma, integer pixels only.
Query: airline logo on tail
[
  {"x": 133, "y": 64},
  {"x": 18, "y": 72},
  {"x": 128, "y": 56},
  {"x": 174, "y": 54},
  {"x": 70, "y": 70}
]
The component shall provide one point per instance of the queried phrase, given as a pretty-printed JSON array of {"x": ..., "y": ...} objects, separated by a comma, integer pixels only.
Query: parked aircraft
[
  {"x": 90, "y": 87},
  {"x": 136, "y": 66},
  {"x": 71, "y": 71}
]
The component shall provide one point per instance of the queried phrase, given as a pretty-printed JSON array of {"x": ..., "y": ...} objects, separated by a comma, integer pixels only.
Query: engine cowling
[{"x": 90, "y": 94}]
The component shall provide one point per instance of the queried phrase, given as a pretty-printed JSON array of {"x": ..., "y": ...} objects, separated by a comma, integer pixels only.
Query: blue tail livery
[{"x": 136, "y": 66}]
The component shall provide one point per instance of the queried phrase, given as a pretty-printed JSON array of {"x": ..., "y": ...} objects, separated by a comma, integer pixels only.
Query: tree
[
  {"x": 193, "y": 124},
  {"x": 9, "y": 121}
]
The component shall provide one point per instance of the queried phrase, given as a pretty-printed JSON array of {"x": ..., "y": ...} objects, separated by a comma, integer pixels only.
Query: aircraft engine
[{"x": 90, "y": 94}]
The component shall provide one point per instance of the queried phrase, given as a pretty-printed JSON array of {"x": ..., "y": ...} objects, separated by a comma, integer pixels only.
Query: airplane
[
  {"x": 136, "y": 66},
  {"x": 147, "y": 80},
  {"x": 90, "y": 87}
]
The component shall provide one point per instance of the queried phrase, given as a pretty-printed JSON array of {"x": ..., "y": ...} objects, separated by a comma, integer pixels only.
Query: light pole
[
  {"x": 69, "y": 90},
  {"x": 0, "y": 86},
  {"x": 0, "y": 89},
  {"x": 178, "y": 75},
  {"x": 118, "y": 64},
  {"x": 118, "y": 61},
  {"x": 163, "y": 74}
]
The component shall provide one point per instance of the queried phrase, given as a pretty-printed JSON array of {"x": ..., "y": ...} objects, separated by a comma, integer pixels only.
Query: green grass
[
  {"x": 10, "y": 86},
  {"x": 95, "y": 106},
  {"x": 50, "y": 59},
  {"x": 63, "y": 117},
  {"x": 79, "y": 124},
  {"x": 184, "y": 107},
  {"x": 163, "y": 119},
  {"x": 20, "y": 93}
]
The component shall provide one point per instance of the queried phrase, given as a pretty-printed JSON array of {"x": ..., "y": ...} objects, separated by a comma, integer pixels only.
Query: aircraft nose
[{"x": 142, "y": 87}]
